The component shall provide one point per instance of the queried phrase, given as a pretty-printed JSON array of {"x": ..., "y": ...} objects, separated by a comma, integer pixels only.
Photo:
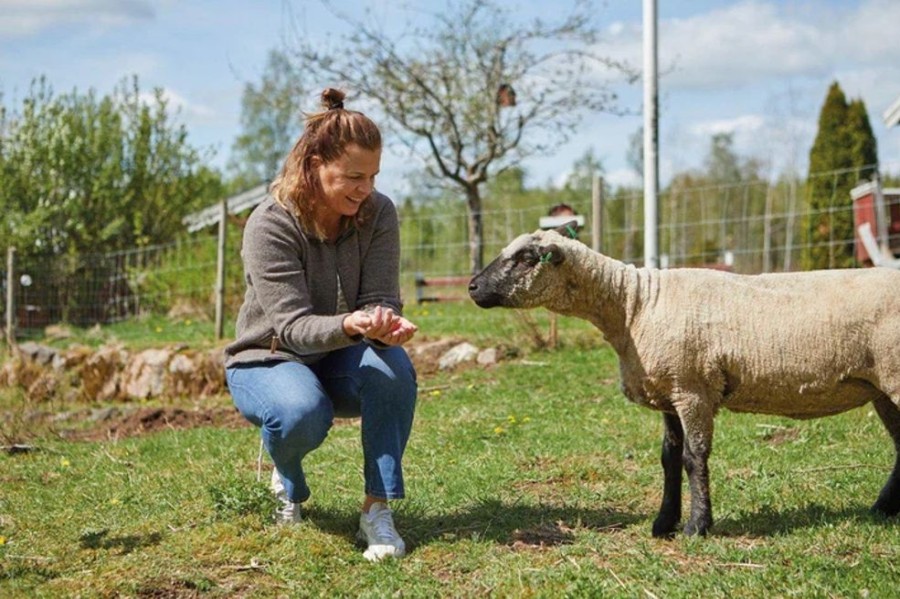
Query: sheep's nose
[{"x": 473, "y": 287}]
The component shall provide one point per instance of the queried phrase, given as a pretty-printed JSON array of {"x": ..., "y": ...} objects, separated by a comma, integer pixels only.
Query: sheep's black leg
[
  {"x": 672, "y": 448},
  {"x": 697, "y": 421},
  {"x": 888, "y": 502}
]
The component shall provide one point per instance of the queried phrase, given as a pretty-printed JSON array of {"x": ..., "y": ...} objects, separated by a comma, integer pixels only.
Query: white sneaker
[
  {"x": 287, "y": 511},
  {"x": 376, "y": 530}
]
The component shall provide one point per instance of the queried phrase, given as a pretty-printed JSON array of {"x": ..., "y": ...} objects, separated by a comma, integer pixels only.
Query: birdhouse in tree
[{"x": 506, "y": 96}]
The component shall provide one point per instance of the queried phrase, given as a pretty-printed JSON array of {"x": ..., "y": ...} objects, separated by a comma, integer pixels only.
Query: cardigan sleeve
[{"x": 380, "y": 262}]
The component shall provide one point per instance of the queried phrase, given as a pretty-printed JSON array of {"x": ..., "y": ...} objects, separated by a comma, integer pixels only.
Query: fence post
[
  {"x": 597, "y": 214},
  {"x": 10, "y": 303},
  {"x": 220, "y": 272}
]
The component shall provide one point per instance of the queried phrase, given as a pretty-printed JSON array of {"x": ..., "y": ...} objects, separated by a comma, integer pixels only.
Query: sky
[{"x": 759, "y": 69}]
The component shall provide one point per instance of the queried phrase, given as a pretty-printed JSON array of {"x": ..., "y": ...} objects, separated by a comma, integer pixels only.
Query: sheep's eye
[{"x": 526, "y": 256}]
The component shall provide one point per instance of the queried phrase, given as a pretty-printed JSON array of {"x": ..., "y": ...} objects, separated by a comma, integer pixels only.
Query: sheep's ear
[
  {"x": 551, "y": 254},
  {"x": 569, "y": 229}
]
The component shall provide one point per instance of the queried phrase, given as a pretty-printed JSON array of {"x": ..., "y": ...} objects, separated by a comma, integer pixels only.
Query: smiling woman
[
  {"x": 321, "y": 324},
  {"x": 346, "y": 184}
]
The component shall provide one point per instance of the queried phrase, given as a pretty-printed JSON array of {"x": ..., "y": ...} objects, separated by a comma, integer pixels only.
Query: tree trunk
[{"x": 476, "y": 229}]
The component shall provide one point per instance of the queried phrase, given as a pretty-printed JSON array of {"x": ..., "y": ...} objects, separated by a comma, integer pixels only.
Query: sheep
[{"x": 691, "y": 341}]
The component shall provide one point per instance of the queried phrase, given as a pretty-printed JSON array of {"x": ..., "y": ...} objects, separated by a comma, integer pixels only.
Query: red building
[{"x": 880, "y": 208}]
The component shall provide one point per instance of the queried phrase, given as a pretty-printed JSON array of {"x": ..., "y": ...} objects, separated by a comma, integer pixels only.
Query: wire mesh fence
[
  {"x": 106, "y": 288},
  {"x": 749, "y": 228}
]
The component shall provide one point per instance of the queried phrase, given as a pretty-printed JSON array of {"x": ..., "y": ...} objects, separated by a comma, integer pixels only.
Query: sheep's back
[{"x": 778, "y": 343}]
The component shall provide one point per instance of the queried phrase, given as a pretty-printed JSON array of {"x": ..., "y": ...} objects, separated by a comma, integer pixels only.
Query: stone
[
  {"x": 487, "y": 357},
  {"x": 458, "y": 354},
  {"x": 145, "y": 374}
]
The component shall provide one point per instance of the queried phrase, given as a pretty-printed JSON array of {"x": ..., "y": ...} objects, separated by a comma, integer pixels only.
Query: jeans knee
[
  {"x": 402, "y": 375},
  {"x": 407, "y": 390},
  {"x": 307, "y": 427},
  {"x": 401, "y": 387}
]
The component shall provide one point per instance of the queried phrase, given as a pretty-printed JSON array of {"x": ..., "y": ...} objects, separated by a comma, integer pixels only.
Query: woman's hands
[{"x": 380, "y": 324}]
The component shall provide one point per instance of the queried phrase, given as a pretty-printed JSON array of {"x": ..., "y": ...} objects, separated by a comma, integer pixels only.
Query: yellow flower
[
  {"x": 158, "y": 329},
  {"x": 2, "y": 540},
  {"x": 511, "y": 418},
  {"x": 499, "y": 430},
  {"x": 115, "y": 501},
  {"x": 526, "y": 419},
  {"x": 187, "y": 322},
  {"x": 65, "y": 463},
  {"x": 436, "y": 393}
]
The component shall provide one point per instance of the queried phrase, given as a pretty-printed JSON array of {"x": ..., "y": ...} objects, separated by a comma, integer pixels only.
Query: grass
[
  {"x": 146, "y": 331},
  {"x": 535, "y": 478}
]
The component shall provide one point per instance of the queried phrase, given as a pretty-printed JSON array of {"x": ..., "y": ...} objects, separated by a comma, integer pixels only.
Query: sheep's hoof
[
  {"x": 886, "y": 509},
  {"x": 694, "y": 528},
  {"x": 664, "y": 527}
]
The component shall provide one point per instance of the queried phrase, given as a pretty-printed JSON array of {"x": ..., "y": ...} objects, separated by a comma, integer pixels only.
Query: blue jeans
[{"x": 294, "y": 405}]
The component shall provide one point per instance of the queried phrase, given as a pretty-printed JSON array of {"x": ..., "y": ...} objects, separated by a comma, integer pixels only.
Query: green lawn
[{"x": 532, "y": 478}]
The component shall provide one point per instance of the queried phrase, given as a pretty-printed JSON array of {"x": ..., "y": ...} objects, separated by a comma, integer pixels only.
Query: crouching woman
[{"x": 320, "y": 329}]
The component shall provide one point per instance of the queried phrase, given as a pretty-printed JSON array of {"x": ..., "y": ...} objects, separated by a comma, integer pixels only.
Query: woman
[{"x": 320, "y": 329}]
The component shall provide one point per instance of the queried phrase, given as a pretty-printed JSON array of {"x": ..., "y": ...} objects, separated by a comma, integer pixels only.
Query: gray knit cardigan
[{"x": 290, "y": 309}]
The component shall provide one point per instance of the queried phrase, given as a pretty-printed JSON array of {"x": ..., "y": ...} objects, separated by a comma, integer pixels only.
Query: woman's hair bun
[{"x": 333, "y": 99}]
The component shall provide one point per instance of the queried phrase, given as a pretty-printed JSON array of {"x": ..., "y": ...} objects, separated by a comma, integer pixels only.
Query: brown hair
[{"x": 326, "y": 135}]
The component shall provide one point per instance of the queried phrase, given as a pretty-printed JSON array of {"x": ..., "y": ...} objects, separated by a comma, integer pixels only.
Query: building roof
[
  {"x": 236, "y": 203},
  {"x": 891, "y": 116}
]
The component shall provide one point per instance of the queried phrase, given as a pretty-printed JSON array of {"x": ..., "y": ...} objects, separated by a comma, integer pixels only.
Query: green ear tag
[
  {"x": 545, "y": 258},
  {"x": 572, "y": 232}
]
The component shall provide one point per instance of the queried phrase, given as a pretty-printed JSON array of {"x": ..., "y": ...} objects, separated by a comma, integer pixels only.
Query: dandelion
[
  {"x": 499, "y": 430},
  {"x": 511, "y": 419},
  {"x": 158, "y": 329},
  {"x": 436, "y": 393},
  {"x": 526, "y": 419},
  {"x": 65, "y": 463},
  {"x": 115, "y": 501},
  {"x": 187, "y": 322},
  {"x": 2, "y": 540}
]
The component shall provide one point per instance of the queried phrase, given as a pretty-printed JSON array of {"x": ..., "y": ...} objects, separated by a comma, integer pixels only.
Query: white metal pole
[
  {"x": 651, "y": 138},
  {"x": 597, "y": 213}
]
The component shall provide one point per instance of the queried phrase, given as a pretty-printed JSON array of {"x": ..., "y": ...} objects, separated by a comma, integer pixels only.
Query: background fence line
[{"x": 749, "y": 228}]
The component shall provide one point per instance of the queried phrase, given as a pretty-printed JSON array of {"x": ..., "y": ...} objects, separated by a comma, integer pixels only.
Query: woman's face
[{"x": 349, "y": 180}]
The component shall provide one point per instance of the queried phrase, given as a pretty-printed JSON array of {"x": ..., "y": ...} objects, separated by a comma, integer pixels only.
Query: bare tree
[{"x": 480, "y": 90}]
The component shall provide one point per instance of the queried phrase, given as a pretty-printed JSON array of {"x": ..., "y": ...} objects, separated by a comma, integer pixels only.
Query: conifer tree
[
  {"x": 844, "y": 152},
  {"x": 864, "y": 148}
]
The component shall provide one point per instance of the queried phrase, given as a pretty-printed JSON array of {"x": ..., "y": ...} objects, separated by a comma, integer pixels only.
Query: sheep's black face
[{"x": 509, "y": 281}]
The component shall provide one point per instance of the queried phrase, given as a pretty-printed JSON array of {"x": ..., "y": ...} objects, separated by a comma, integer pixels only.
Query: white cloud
[
  {"x": 623, "y": 177},
  {"x": 744, "y": 124},
  {"x": 22, "y": 18},
  {"x": 870, "y": 34},
  {"x": 752, "y": 40},
  {"x": 177, "y": 102}
]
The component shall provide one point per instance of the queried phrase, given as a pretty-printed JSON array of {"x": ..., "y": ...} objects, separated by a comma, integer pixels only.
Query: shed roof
[
  {"x": 892, "y": 115},
  {"x": 236, "y": 203}
]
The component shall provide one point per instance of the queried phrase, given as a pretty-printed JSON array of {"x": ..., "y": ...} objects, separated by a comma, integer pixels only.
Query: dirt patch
[
  {"x": 129, "y": 421},
  {"x": 542, "y": 536},
  {"x": 142, "y": 421},
  {"x": 126, "y": 420},
  {"x": 779, "y": 436}
]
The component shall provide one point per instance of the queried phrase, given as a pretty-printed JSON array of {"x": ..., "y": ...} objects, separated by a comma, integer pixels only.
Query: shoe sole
[{"x": 372, "y": 557}]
